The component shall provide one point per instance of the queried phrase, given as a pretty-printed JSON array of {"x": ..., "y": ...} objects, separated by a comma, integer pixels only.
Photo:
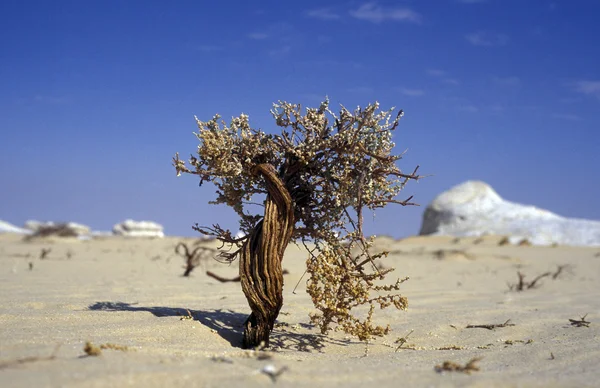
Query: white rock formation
[
  {"x": 130, "y": 228},
  {"x": 5, "y": 227},
  {"x": 64, "y": 229},
  {"x": 102, "y": 233},
  {"x": 473, "y": 208}
]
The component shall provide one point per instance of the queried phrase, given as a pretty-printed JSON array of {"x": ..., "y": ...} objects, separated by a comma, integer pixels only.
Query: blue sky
[{"x": 97, "y": 96}]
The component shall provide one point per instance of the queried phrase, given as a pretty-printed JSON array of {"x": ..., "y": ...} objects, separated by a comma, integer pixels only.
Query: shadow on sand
[{"x": 229, "y": 325}]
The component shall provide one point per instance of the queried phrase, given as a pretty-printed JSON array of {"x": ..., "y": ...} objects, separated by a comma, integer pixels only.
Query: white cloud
[
  {"x": 376, "y": 14},
  {"x": 323, "y": 39},
  {"x": 569, "y": 100},
  {"x": 208, "y": 48},
  {"x": 566, "y": 116},
  {"x": 330, "y": 63},
  {"x": 412, "y": 92},
  {"x": 441, "y": 73},
  {"x": 280, "y": 52},
  {"x": 52, "y": 100},
  {"x": 313, "y": 97},
  {"x": 468, "y": 108},
  {"x": 258, "y": 35},
  {"x": 323, "y": 14},
  {"x": 482, "y": 38},
  {"x": 587, "y": 87},
  {"x": 497, "y": 108},
  {"x": 511, "y": 81},
  {"x": 436, "y": 72},
  {"x": 361, "y": 90},
  {"x": 451, "y": 81}
]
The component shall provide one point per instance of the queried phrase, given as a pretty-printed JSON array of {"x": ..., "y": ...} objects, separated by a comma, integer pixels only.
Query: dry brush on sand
[{"x": 313, "y": 181}]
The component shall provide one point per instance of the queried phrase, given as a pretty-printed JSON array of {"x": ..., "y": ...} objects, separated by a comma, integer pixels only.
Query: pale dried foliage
[
  {"x": 337, "y": 286},
  {"x": 333, "y": 166}
]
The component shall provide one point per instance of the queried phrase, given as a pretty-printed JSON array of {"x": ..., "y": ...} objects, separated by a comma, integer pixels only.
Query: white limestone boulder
[
  {"x": 60, "y": 229},
  {"x": 473, "y": 208},
  {"x": 131, "y": 228},
  {"x": 102, "y": 233},
  {"x": 5, "y": 227}
]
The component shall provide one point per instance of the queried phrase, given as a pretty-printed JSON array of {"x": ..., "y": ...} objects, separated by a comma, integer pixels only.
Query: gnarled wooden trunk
[{"x": 260, "y": 260}]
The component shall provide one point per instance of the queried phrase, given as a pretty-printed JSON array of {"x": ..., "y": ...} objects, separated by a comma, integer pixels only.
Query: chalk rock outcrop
[
  {"x": 130, "y": 228},
  {"x": 473, "y": 208},
  {"x": 5, "y": 227},
  {"x": 62, "y": 229}
]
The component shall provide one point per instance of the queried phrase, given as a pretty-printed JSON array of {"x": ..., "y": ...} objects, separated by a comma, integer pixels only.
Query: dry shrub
[{"x": 313, "y": 181}]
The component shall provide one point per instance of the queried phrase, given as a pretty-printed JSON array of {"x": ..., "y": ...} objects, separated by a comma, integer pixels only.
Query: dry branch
[
  {"x": 523, "y": 285},
  {"x": 222, "y": 279},
  {"x": 580, "y": 322},
  {"x": 193, "y": 257},
  {"x": 491, "y": 326},
  {"x": 44, "y": 253},
  {"x": 26, "y": 360},
  {"x": 234, "y": 279}
]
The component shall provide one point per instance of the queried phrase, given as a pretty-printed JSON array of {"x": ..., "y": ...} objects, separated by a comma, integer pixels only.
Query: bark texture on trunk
[{"x": 260, "y": 260}]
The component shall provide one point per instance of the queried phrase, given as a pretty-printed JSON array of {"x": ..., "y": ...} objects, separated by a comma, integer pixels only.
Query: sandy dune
[{"x": 129, "y": 292}]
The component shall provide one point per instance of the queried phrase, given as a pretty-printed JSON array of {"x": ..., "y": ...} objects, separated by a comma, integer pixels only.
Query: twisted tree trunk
[{"x": 260, "y": 260}]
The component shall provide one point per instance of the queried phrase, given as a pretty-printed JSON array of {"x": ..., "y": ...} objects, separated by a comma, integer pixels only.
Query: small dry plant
[
  {"x": 450, "y": 366},
  {"x": 96, "y": 350},
  {"x": 313, "y": 182},
  {"x": 193, "y": 257},
  {"x": 522, "y": 285},
  {"x": 524, "y": 243},
  {"x": 504, "y": 241},
  {"x": 44, "y": 253}
]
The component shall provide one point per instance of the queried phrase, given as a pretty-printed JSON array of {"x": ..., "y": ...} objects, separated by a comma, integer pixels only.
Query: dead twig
[
  {"x": 44, "y": 252},
  {"x": 222, "y": 279},
  {"x": 192, "y": 258},
  {"x": 491, "y": 326},
  {"x": 450, "y": 366},
  {"x": 523, "y": 285},
  {"x": 26, "y": 360},
  {"x": 580, "y": 322},
  {"x": 560, "y": 269},
  {"x": 402, "y": 340},
  {"x": 513, "y": 342}
]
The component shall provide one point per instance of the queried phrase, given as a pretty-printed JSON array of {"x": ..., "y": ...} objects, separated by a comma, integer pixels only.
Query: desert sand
[{"x": 130, "y": 293}]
